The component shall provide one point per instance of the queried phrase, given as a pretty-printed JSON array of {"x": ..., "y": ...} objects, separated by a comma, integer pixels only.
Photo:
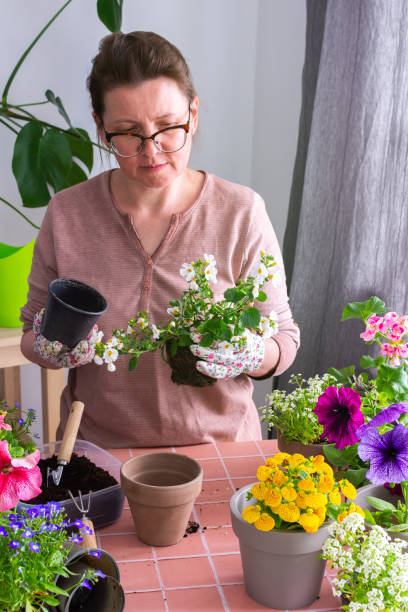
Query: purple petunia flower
[
  {"x": 338, "y": 410},
  {"x": 387, "y": 454},
  {"x": 388, "y": 415}
]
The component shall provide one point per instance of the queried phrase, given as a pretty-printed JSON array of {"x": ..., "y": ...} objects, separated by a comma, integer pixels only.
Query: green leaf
[
  {"x": 262, "y": 296},
  {"x": 369, "y": 517},
  {"x": 55, "y": 158},
  {"x": 250, "y": 317},
  {"x": 367, "y": 362},
  {"x": 214, "y": 325},
  {"x": 362, "y": 310},
  {"x": 26, "y": 169},
  {"x": 110, "y": 13},
  {"x": 184, "y": 340},
  {"x": 342, "y": 376},
  {"x": 340, "y": 457},
  {"x": 233, "y": 295},
  {"x": 133, "y": 363},
  {"x": 207, "y": 340},
  {"x": 50, "y": 586},
  {"x": 226, "y": 333},
  {"x": 397, "y": 528},
  {"x": 51, "y": 97},
  {"x": 81, "y": 146},
  {"x": 392, "y": 383},
  {"x": 380, "y": 504},
  {"x": 76, "y": 175},
  {"x": 173, "y": 348},
  {"x": 356, "y": 476}
]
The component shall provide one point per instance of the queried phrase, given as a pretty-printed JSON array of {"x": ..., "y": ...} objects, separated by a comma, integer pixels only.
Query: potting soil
[{"x": 80, "y": 474}]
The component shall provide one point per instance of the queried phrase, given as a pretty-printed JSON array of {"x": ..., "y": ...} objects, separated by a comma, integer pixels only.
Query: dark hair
[{"x": 130, "y": 59}]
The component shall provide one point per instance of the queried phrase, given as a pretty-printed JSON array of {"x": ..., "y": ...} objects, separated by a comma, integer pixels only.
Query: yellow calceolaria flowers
[{"x": 297, "y": 492}]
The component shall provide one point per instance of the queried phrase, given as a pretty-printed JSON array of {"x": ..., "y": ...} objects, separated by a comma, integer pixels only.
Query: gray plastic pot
[
  {"x": 161, "y": 489},
  {"x": 373, "y": 490},
  {"x": 281, "y": 568},
  {"x": 106, "y": 595}
]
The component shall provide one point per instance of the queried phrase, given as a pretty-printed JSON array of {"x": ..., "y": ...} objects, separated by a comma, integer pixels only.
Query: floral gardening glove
[
  {"x": 223, "y": 360},
  {"x": 59, "y": 354}
]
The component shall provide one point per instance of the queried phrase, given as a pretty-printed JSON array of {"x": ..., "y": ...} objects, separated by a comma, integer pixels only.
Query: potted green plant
[
  {"x": 292, "y": 414},
  {"x": 282, "y": 521},
  {"x": 45, "y": 160},
  {"x": 197, "y": 319},
  {"x": 372, "y": 569}
]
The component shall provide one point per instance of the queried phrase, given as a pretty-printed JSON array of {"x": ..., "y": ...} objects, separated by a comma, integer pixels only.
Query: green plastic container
[{"x": 15, "y": 266}]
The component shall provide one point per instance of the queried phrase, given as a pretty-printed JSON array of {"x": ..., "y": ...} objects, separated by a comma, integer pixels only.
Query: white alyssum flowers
[{"x": 372, "y": 568}]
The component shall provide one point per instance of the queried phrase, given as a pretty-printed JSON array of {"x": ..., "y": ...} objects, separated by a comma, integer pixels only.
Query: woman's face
[{"x": 145, "y": 109}]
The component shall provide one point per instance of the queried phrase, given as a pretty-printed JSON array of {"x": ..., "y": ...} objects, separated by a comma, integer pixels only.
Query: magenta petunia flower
[
  {"x": 338, "y": 410},
  {"x": 388, "y": 415},
  {"x": 387, "y": 454},
  {"x": 20, "y": 478}
]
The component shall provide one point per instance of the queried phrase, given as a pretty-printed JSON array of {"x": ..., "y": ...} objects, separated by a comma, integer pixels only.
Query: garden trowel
[{"x": 68, "y": 441}]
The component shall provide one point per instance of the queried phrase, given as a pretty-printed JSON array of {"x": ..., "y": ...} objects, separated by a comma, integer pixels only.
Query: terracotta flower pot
[
  {"x": 281, "y": 568},
  {"x": 293, "y": 446},
  {"x": 161, "y": 489},
  {"x": 373, "y": 490}
]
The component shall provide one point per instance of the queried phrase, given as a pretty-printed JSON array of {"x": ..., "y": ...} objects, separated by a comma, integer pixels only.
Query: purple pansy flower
[
  {"x": 388, "y": 415},
  {"x": 387, "y": 454},
  {"x": 338, "y": 410}
]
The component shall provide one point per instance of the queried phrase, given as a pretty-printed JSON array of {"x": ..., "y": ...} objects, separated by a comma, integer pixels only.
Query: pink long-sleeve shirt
[{"x": 85, "y": 236}]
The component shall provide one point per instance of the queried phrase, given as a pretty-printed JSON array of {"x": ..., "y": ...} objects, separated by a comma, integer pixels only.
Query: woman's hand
[
  {"x": 223, "y": 361},
  {"x": 59, "y": 354}
]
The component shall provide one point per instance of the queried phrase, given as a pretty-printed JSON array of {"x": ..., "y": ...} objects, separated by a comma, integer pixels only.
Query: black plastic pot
[{"x": 71, "y": 311}]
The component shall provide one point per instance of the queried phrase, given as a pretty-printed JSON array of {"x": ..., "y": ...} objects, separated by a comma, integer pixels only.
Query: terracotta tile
[
  {"x": 215, "y": 490},
  {"x": 124, "y": 525},
  {"x": 221, "y": 539},
  {"x": 126, "y": 547},
  {"x": 120, "y": 453},
  {"x": 238, "y": 600},
  {"x": 213, "y": 515},
  {"x": 138, "y": 575},
  {"x": 243, "y": 466},
  {"x": 198, "y": 451},
  {"x": 212, "y": 468},
  {"x": 238, "y": 449},
  {"x": 242, "y": 482},
  {"x": 190, "y": 572},
  {"x": 205, "y": 599},
  {"x": 228, "y": 568},
  {"x": 144, "y": 602},
  {"x": 326, "y": 600},
  {"x": 268, "y": 447},
  {"x": 190, "y": 545}
]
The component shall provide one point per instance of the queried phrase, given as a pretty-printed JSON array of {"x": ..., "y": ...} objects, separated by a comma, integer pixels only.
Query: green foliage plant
[{"x": 46, "y": 157}]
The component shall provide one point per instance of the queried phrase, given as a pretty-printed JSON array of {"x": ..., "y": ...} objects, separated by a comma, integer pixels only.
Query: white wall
[{"x": 246, "y": 58}]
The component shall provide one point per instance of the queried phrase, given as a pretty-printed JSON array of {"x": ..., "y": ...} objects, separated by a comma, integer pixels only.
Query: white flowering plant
[
  {"x": 291, "y": 414},
  {"x": 372, "y": 568},
  {"x": 197, "y": 318}
]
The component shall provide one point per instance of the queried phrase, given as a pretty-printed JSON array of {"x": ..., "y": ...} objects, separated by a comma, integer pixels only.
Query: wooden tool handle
[
  {"x": 71, "y": 431},
  {"x": 89, "y": 540}
]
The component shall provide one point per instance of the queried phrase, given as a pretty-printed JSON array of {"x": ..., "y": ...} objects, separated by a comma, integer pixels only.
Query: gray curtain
[{"x": 346, "y": 237}]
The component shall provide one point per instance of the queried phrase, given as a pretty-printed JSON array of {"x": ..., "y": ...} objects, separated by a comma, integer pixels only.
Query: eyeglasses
[{"x": 167, "y": 140}]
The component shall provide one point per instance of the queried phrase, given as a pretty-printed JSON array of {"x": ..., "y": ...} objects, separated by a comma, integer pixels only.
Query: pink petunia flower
[
  {"x": 20, "y": 478},
  {"x": 339, "y": 411}
]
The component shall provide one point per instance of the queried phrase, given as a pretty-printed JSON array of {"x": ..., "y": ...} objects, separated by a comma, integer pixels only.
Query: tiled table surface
[{"x": 203, "y": 571}]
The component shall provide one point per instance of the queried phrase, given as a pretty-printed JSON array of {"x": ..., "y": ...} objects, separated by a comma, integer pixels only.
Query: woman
[{"x": 127, "y": 231}]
